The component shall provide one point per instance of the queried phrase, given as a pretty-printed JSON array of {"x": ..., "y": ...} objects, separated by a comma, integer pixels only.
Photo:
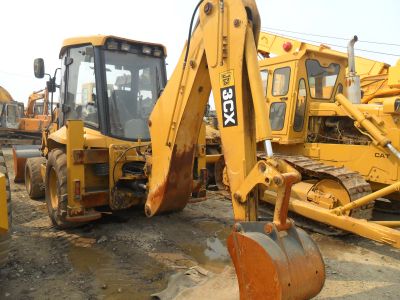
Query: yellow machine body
[
  {"x": 349, "y": 145},
  {"x": 317, "y": 122}
]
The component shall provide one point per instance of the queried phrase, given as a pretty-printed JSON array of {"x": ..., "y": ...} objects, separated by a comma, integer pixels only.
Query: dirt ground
[{"x": 129, "y": 256}]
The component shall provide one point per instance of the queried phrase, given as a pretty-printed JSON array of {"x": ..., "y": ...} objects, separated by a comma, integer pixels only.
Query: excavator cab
[{"x": 10, "y": 113}]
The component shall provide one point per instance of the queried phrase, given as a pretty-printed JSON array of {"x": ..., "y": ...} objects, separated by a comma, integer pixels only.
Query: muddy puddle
[
  {"x": 211, "y": 252},
  {"x": 114, "y": 278}
]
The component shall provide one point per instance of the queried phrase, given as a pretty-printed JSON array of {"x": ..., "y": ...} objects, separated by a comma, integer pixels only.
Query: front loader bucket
[
  {"x": 272, "y": 264},
  {"x": 20, "y": 154}
]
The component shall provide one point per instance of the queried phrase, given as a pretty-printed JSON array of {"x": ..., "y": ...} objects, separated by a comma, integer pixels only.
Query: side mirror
[{"x": 38, "y": 67}]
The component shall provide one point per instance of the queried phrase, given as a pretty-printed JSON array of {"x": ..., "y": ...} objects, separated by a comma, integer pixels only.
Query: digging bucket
[{"x": 276, "y": 260}]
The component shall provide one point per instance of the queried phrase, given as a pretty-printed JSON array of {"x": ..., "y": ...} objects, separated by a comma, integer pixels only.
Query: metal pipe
[
  {"x": 395, "y": 187},
  {"x": 393, "y": 150},
  {"x": 213, "y": 158},
  {"x": 268, "y": 148},
  {"x": 391, "y": 224},
  {"x": 353, "y": 80},
  {"x": 351, "y": 58}
]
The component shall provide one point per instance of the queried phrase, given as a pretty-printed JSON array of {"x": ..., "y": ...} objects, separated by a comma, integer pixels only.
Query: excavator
[
  {"x": 346, "y": 151},
  {"x": 138, "y": 142},
  {"x": 5, "y": 211},
  {"x": 36, "y": 116},
  {"x": 35, "y": 121},
  {"x": 10, "y": 113},
  {"x": 15, "y": 127}
]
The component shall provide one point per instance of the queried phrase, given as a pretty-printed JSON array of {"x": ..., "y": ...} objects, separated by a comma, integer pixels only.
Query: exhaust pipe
[{"x": 353, "y": 80}]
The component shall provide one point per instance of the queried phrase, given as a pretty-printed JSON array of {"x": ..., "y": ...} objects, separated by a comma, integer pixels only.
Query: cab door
[
  {"x": 299, "y": 116},
  {"x": 279, "y": 97}
]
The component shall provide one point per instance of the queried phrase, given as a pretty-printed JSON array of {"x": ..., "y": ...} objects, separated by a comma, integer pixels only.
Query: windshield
[
  {"x": 321, "y": 80},
  {"x": 12, "y": 115},
  {"x": 38, "y": 108},
  {"x": 134, "y": 82}
]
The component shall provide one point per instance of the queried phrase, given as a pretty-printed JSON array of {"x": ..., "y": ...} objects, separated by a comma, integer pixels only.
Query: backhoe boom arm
[{"x": 221, "y": 56}]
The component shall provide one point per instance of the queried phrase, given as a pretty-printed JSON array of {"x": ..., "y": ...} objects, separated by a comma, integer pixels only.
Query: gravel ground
[{"x": 129, "y": 256}]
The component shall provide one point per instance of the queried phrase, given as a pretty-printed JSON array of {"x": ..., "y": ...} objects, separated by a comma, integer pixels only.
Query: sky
[{"x": 31, "y": 29}]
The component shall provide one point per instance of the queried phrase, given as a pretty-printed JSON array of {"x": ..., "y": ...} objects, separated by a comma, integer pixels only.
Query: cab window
[
  {"x": 300, "y": 106},
  {"x": 264, "y": 79},
  {"x": 321, "y": 80},
  {"x": 280, "y": 83},
  {"x": 81, "y": 97},
  {"x": 277, "y": 115}
]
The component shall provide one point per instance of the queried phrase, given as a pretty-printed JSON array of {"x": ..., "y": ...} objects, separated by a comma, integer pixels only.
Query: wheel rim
[
  {"x": 28, "y": 181},
  {"x": 53, "y": 189}
]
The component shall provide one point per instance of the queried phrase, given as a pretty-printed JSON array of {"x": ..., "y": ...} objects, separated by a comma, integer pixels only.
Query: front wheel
[
  {"x": 56, "y": 193},
  {"x": 33, "y": 177}
]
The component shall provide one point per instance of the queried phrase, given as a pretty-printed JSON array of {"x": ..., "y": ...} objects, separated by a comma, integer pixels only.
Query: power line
[
  {"x": 334, "y": 45},
  {"x": 330, "y": 37}
]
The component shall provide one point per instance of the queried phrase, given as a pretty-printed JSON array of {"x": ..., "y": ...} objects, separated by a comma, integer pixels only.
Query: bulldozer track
[{"x": 352, "y": 181}]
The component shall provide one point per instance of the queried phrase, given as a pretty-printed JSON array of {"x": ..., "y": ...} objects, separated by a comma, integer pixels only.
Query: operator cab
[
  {"x": 10, "y": 114},
  {"x": 38, "y": 109},
  {"x": 111, "y": 84},
  {"x": 292, "y": 83}
]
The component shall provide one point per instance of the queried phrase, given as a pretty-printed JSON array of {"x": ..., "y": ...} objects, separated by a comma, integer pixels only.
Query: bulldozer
[
  {"x": 138, "y": 145},
  {"x": 5, "y": 211},
  {"x": 346, "y": 151}
]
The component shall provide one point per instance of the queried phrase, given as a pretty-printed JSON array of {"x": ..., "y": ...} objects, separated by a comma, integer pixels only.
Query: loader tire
[
  {"x": 56, "y": 189},
  {"x": 33, "y": 178},
  {"x": 5, "y": 238}
]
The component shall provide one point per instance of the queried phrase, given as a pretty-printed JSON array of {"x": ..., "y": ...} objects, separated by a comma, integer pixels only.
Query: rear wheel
[
  {"x": 33, "y": 178},
  {"x": 5, "y": 238},
  {"x": 56, "y": 189}
]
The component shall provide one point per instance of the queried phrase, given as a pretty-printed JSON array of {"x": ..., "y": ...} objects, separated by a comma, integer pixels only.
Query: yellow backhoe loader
[
  {"x": 5, "y": 211},
  {"x": 135, "y": 147},
  {"x": 344, "y": 149}
]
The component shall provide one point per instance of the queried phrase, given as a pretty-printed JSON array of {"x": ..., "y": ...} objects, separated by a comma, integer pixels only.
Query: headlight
[{"x": 146, "y": 50}]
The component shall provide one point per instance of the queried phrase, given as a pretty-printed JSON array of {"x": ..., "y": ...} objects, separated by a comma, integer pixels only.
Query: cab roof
[
  {"x": 338, "y": 58},
  {"x": 100, "y": 40}
]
